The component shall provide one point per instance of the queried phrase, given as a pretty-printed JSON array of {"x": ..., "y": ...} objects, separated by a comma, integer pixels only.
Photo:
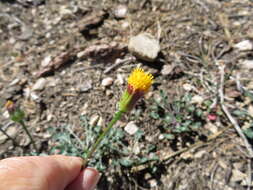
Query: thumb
[
  {"x": 39, "y": 172},
  {"x": 87, "y": 180}
]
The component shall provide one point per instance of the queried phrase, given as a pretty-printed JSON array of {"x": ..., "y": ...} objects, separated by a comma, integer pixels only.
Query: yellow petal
[{"x": 140, "y": 80}]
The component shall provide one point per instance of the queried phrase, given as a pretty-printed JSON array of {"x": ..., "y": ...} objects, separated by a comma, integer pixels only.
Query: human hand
[{"x": 46, "y": 173}]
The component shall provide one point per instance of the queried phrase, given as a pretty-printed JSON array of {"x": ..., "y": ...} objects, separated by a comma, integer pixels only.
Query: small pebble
[
  {"x": 93, "y": 120},
  {"x": 250, "y": 110},
  {"x": 197, "y": 99},
  {"x": 14, "y": 82},
  {"x": 34, "y": 96},
  {"x": 245, "y": 45},
  {"x": 153, "y": 183},
  {"x": 40, "y": 84},
  {"x": 166, "y": 70},
  {"x": 125, "y": 25},
  {"x": 131, "y": 128},
  {"x": 84, "y": 109},
  {"x": 200, "y": 154},
  {"x": 247, "y": 64},
  {"x": 107, "y": 81},
  {"x": 49, "y": 117},
  {"x": 136, "y": 148},
  {"x": 65, "y": 12},
  {"x": 85, "y": 86},
  {"x": 161, "y": 137},
  {"x": 6, "y": 114},
  {"x": 12, "y": 40},
  {"x": 120, "y": 79},
  {"x": 100, "y": 121},
  {"x": 120, "y": 11},
  {"x": 144, "y": 46},
  {"x": 46, "y": 136},
  {"x": 45, "y": 62},
  {"x": 81, "y": 54},
  {"x": 187, "y": 87},
  {"x": 237, "y": 175},
  {"x": 211, "y": 127}
]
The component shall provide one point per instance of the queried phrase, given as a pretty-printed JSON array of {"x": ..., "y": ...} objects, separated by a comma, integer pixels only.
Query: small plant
[
  {"x": 18, "y": 116},
  {"x": 177, "y": 116},
  {"x": 64, "y": 142}
]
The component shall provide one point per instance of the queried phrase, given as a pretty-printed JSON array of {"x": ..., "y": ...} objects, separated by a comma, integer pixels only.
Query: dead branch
[{"x": 229, "y": 116}]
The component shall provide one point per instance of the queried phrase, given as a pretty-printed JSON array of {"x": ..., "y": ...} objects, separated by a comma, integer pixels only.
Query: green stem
[
  {"x": 22, "y": 123},
  {"x": 116, "y": 117}
]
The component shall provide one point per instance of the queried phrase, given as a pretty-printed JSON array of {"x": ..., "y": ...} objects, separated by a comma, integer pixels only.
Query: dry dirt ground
[{"x": 49, "y": 67}]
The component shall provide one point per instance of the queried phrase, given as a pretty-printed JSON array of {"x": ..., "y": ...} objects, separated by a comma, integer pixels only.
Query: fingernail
[
  {"x": 90, "y": 178},
  {"x": 75, "y": 160}
]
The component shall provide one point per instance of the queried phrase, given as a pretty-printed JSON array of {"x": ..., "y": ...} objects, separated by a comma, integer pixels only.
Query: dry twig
[
  {"x": 196, "y": 145},
  {"x": 119, "y": 62},
  {"x": 250, "y": 177},
  {"x": 234, "y": 122},
  {"x": 229, "y": 116}
]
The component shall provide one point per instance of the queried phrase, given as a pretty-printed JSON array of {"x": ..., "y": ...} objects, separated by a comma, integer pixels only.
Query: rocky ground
[{"x": 65, "y": 64}]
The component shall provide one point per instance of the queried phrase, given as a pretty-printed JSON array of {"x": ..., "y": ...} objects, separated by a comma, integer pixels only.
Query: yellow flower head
[
  {"x": 140, "y": 80},
  {"x": 139, "y": 83},
  {"x": 10, "y": 106}
]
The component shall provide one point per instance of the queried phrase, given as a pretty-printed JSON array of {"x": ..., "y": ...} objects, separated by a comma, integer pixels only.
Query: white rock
[
  {"x": 197, "y": 99},
  {"x": 40, "y": 84},
  {"x": 15, "y": 81},
  {"x": 45, "y": 62},
  {"x": 120, "y": 79},
  {"x": 136, "y": 148},
  {"x": 125, "y": 25},
  {"x": 52, "y": 81},
  {"x": 131, "y": 128},
  {"x": 84, "y": 86},
  {"x": 49, "y": 117},
  {"x": 12, "y": 40},
  {"x": 81, "y": 54},
  {"x": 247, "y": 64},
  {"x": 84, "y": 109},
  {"x": 100, "y": 122},
  {"x": 120, "y": 11},
  {"x": 187, "y": 87},
  {"x": 245, "y": 182},
  {"x": 166, "y": 70},
  {"x": 144, "y": 46},
  {"x": 46, "y": 136},
  {"x": 93, "y": 120},
  {"x": 6, "y": 114},
  {"x": 161, "y": 137},
  {"x": 250, "y": 110},
  {"x": 237, "y": 175},
  {"x": 64, "y": 11},
  {"x": 244, "y": 45},
  {"x": 107, "y": 81},
  {"x": 153, "y": 183},
  {"x": 200, "y": 154},
  {"x": 34, "y": 96},
  {"x": 27, "y": 92},
  {"x": 211, "y": 127}
]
